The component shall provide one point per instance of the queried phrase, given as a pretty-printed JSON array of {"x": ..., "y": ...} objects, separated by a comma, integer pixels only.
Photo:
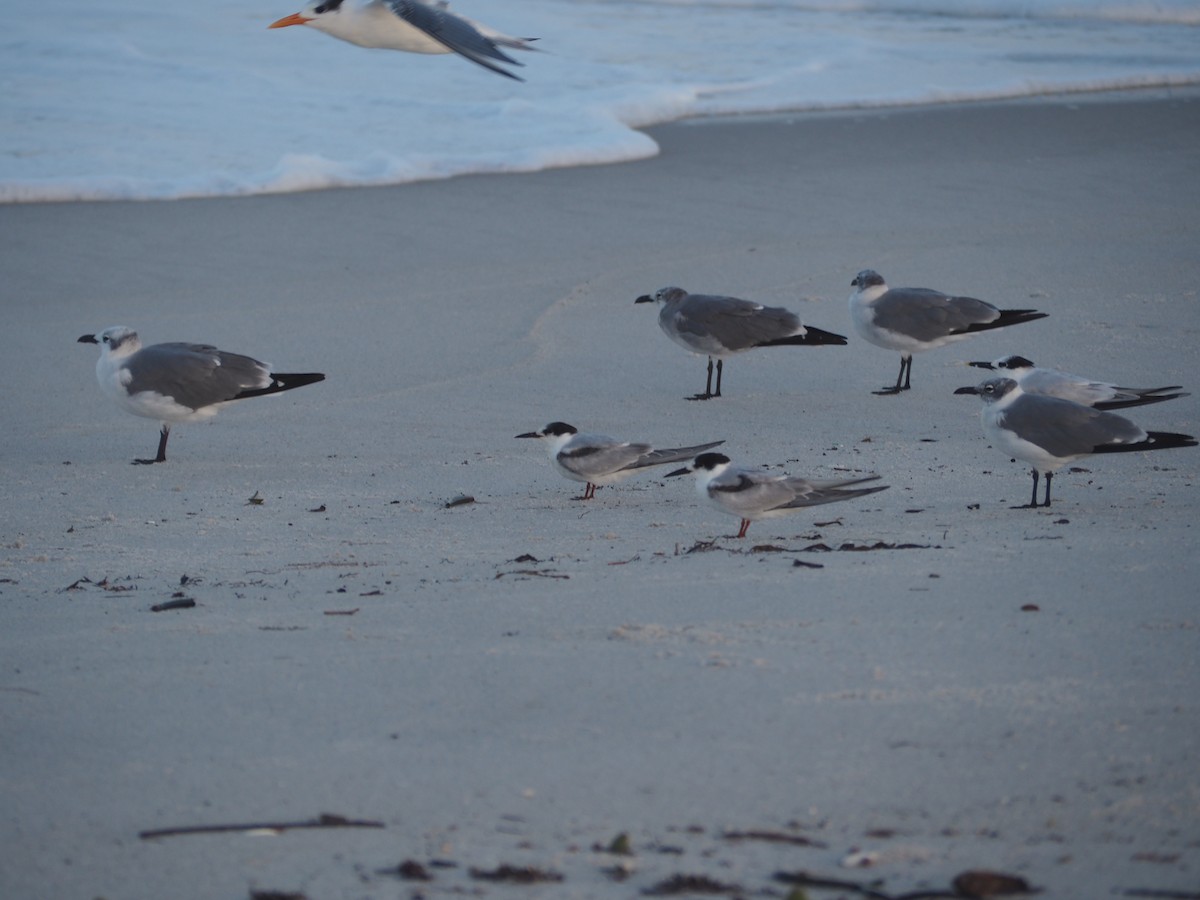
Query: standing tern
[
  {"x": 180, "y": 382},
  {"x": 913, "y": 320},
  {"x": 1053, "y": 383},
  {"x": 753, "y": 494},
  {"x": 412, "y": 26},
  {"x": 597, "y": 459},
  {"x": 1049, "y": 432},
  {"x": 722, "y": 326}
]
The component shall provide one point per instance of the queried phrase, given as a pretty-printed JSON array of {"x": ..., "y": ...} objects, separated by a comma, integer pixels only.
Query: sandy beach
[{"x": 950, "y": 685}]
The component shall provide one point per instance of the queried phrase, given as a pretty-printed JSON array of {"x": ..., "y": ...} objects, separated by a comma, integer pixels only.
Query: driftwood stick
[{"x": 325, "y": 820}]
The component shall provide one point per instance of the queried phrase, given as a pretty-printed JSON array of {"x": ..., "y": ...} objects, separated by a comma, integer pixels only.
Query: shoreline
[{"x": 1122, "y": 93}]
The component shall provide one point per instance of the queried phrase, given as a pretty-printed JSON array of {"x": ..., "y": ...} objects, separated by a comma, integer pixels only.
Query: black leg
[
  {"x": 720, "y": 367},
  {"x": 1049, "y": 475},
  {"x": 902, "y": 379},
  {"x": 708, "y": 394},
  {"x": 162, "y": 448},
  {"x": 1033, "y": 504}
]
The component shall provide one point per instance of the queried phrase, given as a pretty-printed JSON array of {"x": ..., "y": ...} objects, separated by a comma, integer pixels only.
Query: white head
[
  {"x": 663, "y": 295},
  {"x": 993, "y": 390},
  {"x": 868, "y": 278},
  {"x": 118, "y": 340}
]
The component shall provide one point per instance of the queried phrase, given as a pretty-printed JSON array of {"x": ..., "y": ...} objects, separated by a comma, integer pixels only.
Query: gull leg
[
  {"x": 589, "y": 492},
  {"x": 1033, "y": 504},
  {"x": 708, "y": 394},
  {"x": 1049, "y": 475},
  {"x": 162, "y": 448},
  {"x": 902, "y": 379},
  {"x": 745, "y": 525},
  {"x": 720, "y": 368}
]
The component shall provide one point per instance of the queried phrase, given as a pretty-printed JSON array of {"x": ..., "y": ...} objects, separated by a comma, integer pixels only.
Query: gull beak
[
  {"x": 967, "y": 390},
  {"x": 88, "y": 339},
  {"x": 645, "y": 298},
  {"x": 293, "y": 19},
  {"x": 982, "y": 365},
  {"x": 686, "y": 470},
  {"x": 530, "y": 434}
]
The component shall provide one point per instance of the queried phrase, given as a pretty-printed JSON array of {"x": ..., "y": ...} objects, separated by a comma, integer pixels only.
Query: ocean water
[{"x": 141, "y": 99}]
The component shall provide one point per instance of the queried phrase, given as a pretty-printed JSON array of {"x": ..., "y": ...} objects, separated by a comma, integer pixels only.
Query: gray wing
[
  {"x": 1063, "y": 428},
  {"x": 814, "y": 493},
  {"x": 194, "y": 375},
  {"x": 455, "y": 33},
  {"x": 595, "y": 455},
  {"x": 926, "y": 314},
  {"x": 1068, "y": 387},
  {"x": 675, "y": 454},
  {"x": 748, "y": 493},
  {"x": 737, "y": 324}
]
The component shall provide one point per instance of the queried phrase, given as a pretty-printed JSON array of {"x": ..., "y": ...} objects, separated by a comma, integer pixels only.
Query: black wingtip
[
  {"x": 1155, "y": 440},
  {"x": 295, "y": 380},
  {"x": 1138, "y": 401},
  {"x": 281, "y": 381},
  {"x": 812, "y": 337},
  {"x": 1165, "y": 440},
  {"x": 1007, "y": 317}
]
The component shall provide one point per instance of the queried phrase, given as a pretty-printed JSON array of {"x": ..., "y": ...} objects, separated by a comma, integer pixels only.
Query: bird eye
[{"x": 320, "y": 9}]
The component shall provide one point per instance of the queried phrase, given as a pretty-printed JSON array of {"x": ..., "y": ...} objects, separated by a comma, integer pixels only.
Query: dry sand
[{"x": 527, "y": 676}]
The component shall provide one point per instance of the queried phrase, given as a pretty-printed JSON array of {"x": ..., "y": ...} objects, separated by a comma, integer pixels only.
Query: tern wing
[
  {"x": 749, "y": 494},
  {"x": 597, "y": 456},
  {"x": 814, "y": 493},
  {"x": 670, "y": 455},
  {"x": 455, "y": 33}
]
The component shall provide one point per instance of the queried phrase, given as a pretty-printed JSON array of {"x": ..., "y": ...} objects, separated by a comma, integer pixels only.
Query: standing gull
[
  {"x": 722, "y": 326},
  {"x": 753, "y": 494},
  {"x": 1049, "y": 432},
  {"x": 597, "y": 459},
  {"x": 913, "y": 320},
  {"x": 180, "y": 382},
  {"x": 1053, "y": 383},
  {"x": 412, "y": 26}
]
